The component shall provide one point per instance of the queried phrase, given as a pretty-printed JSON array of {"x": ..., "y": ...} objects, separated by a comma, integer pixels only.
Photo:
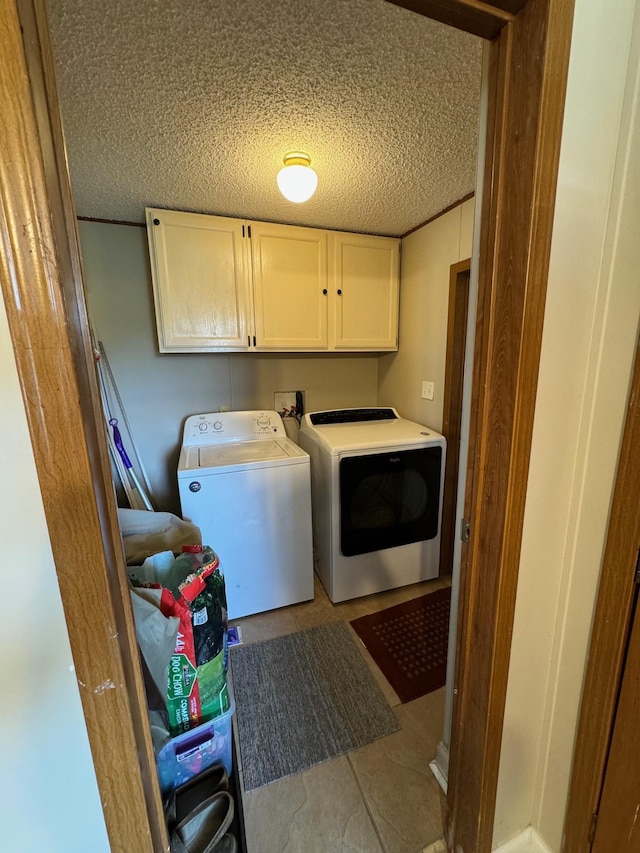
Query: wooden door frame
[
  {"x": 528, "y": 64},
  {"x": 41, "y": 279},
  {"x": 611, "y": 626},
  {"x": 459, "y": 281},
  {"x": 43, "y": 291}
]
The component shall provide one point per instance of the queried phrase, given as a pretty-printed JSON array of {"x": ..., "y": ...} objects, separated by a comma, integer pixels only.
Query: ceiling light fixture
[{"x": 297, "y": 181}]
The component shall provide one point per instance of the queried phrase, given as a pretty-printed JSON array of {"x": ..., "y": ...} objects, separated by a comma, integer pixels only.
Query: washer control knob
[
  {"x": 263, "y": 422},
  {"x": 203, "y": 427},
  {"x": 195, "y": 486},
  {"x": 217, "y": 425}
]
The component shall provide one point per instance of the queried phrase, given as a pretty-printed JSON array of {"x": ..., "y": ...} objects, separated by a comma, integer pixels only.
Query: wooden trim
[
  {"x": 438, "y": 215},
  {"x": 246, "y": 219},
  {"x": 611, "y": 627},
  {"x": 482, "y": 19},
  {"x": 42, "y": 288},
  {"x": 618, "y": 808},
  {"x": 111, "y": 221},
  {"x": 528, "y": 78},
  {"x": 463, "y": 724},
  {"x": 512, "y": 6},
  {"x": 452, "y": 409}
]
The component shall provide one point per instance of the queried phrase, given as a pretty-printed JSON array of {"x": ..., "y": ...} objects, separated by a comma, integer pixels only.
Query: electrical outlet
[
  {"x": 284, "y": 401},
  {"x": 427, "y": 390}
]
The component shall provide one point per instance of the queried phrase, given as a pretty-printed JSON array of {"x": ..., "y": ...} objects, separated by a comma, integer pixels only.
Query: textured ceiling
[{"x": 191, "y": 105}]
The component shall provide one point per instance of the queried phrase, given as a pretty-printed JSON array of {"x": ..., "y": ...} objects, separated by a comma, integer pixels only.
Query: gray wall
[{"x": 160, "y": 391}]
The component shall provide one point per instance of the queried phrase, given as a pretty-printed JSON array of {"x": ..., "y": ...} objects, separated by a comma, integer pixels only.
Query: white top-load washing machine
[
  {"x": 247, "y": 487},
  {"x": 377, "y": 482}
]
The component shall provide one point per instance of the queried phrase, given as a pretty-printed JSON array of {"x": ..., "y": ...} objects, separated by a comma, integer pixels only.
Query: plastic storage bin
[{"x": 194, "y": 751}]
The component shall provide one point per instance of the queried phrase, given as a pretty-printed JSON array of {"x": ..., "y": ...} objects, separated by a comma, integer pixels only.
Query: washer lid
[
  {"x": 238, "y": 456},
  {"x": 240, "y": 453}
]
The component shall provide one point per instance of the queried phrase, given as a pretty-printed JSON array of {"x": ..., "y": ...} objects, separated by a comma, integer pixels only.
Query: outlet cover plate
[
  {"x": 427, "y": 390},
  {"x": 284, "y": 401}
]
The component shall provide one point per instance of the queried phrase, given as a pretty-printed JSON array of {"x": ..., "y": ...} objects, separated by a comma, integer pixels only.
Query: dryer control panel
[{"x": 218, "y": 427}]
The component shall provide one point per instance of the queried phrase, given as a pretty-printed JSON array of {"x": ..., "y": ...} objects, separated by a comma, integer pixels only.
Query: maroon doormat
[{"x": 409, "y": 643}]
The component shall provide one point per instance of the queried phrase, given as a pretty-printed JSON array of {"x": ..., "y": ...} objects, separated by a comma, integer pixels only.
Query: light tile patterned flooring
[{"x": 379, "y": 799}]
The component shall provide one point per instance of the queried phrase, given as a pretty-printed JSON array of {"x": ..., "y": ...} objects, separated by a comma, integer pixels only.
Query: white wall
[
  {"x": 427, "y": 256},
  {"x": 160, "y": 391},
  {"x": 591, "y": 323},
  {"x": 49, "y": 801}
]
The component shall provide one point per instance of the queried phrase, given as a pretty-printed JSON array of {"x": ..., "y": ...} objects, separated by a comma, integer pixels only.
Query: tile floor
[{"x": 379, "y": 799}]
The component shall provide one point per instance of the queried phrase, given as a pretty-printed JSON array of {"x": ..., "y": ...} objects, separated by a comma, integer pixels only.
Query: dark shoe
[
  {"x": 200, "y": 788},
  {"x": 227, "y": 844},
  {"x": 186, "y": 797},
  {"x": 203, "y": 829}
]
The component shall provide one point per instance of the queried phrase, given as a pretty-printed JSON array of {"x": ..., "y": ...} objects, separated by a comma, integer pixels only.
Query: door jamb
[
  {"x": 527, "y": 82},
  {"x": 459, "y": 281},
  {"x": 528, "y": 66}
]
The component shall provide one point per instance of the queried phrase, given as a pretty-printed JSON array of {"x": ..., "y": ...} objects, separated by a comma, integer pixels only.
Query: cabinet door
[
  {"x": 290, "y": 286},
  {"x": 201, "y": 284},
  {"x": 364, "y": 292}
]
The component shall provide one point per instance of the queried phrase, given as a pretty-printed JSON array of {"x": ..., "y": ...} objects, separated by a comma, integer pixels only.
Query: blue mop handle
[{"x": 117, "y": 440}]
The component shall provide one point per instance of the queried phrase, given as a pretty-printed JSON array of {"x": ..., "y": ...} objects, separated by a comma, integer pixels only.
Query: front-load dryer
[
  {"x": 377, "y": 482},
  {"x": 247, "y": 487}
]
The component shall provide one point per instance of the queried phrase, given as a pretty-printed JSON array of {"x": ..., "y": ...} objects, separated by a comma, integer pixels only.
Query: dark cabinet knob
[
  {"x": 339, "y": 293},
  {"x": 324, "y": 291},
  {"x": 156, "y": 222}
]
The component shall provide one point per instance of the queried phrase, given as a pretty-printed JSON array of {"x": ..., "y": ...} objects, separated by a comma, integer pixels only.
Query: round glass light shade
[{"x": 297, "y": 181}]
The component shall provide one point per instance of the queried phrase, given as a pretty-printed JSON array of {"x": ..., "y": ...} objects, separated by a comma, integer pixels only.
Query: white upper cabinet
[
  {"x": 199, "y": 267},
  {"x": 225, "y": 284},
  {"x": 290, "y": 285},
  {"x": 365, "y": 291}
]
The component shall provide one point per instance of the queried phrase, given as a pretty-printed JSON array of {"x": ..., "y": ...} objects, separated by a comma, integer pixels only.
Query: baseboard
[
  {"x": 436, "y": 847},
  {"x": 527, "y": 841},
  {"x": 433, "y": 766},
  {"x": 440, "y": 766}
]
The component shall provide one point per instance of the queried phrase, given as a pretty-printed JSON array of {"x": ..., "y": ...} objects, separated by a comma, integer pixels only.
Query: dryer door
[{"x": 389, "y": 499}]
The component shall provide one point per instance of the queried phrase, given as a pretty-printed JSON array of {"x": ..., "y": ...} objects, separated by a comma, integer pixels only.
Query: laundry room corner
[{"x": 159, "y": 391}]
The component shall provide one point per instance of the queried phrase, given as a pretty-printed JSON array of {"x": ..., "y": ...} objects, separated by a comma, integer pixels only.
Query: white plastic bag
[{"x": 145, "y": 533}]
